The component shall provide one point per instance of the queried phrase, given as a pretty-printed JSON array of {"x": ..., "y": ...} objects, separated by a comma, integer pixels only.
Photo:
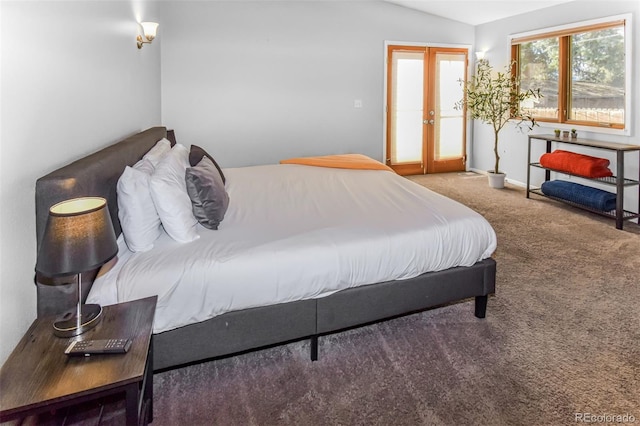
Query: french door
[{"x": 425, "y": 133}]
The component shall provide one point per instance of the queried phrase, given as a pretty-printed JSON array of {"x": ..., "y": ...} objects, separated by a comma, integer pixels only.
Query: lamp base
[{"x": 68, "y": 325}]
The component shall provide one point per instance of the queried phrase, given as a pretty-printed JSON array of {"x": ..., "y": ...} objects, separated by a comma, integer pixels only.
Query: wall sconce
[
  {"x": 480, "y": 55},
  {"x": 149, "y": 29}
]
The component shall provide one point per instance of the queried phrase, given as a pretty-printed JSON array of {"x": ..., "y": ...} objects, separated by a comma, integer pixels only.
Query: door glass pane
[
  {"x": 449, "y": 122},
  {"x": 407, "y": 107}
]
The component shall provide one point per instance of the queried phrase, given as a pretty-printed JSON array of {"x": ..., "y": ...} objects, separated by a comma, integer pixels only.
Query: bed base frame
[
  {"x": 480, "y": 312},
  {"x": 241, "y": 331}
]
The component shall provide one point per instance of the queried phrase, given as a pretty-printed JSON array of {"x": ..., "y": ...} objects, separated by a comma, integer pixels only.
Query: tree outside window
[{"x": 580, "y": 73}]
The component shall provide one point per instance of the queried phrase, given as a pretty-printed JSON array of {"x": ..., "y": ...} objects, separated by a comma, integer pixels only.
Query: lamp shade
[
  {"x": 149, "y": 29},
  {"x": 78, "y": 237}
]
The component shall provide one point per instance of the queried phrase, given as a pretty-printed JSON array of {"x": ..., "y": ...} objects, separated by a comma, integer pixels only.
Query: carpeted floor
[
  {"x": 560, "y": 343},
  {"x": 561, "y": 340}
]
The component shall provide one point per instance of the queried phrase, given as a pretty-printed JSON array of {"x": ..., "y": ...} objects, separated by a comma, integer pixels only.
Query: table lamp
[{"x": 78, "y": 237}]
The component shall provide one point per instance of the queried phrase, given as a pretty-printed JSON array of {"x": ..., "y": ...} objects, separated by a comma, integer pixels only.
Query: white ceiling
[{"x": 476, "y": 12}]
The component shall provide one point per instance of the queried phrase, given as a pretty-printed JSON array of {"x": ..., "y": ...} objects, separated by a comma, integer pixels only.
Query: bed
[{"x": 303, "y": 267}]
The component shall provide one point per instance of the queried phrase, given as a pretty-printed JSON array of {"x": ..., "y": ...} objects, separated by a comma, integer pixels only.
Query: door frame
[{"x": 388, "y": 43}]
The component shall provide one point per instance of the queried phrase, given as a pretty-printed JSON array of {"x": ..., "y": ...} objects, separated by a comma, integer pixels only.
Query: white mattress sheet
[{"x": 295, "y": 232}]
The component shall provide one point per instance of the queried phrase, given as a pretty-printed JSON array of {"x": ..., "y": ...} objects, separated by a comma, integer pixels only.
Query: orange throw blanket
[
  {"x": 576, "y": 164},
  {"x": 342, "y": 161}
]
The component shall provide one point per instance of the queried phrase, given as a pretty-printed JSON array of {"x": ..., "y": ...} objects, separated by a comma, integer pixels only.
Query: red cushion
[{"x": 576, "y": 164}]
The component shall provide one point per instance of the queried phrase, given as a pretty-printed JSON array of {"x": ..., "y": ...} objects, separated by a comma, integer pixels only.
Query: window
[{"x": 583, "y": 72}]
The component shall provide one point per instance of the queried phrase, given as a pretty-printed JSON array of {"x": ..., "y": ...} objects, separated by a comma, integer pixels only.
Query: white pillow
[
  {"x": 137, "y": 213},
  {"x": 159, "y": 150},
  {"x": 169, "y": 193}
]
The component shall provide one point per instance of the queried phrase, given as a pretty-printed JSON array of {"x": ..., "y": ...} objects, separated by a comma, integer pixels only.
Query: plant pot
[{"x": 496, "y": 180}]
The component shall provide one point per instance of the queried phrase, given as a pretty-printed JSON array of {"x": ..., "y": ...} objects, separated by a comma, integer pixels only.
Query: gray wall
[
  {"x": 72, "y": 82},
  {"x": 256, "y": 82}
]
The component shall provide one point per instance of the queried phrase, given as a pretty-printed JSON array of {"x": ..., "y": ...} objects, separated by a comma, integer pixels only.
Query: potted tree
[{"x": 495, "y": 98}]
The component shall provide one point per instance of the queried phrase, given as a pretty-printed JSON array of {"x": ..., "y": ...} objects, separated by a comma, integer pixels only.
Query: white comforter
[{"x": 296, "y": 232}]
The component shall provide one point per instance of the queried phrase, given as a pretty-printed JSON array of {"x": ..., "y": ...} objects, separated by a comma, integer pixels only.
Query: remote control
[{"x": 106, "y": 346}]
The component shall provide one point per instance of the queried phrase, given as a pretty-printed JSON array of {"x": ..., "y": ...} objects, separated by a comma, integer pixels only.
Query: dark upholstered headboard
[{"x": 94, "y": 175}]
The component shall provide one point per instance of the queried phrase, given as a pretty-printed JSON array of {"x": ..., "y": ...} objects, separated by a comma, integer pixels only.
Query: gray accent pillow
[
  {"x": 209, "y": 198},
  {"x": 195, "y": 155}
]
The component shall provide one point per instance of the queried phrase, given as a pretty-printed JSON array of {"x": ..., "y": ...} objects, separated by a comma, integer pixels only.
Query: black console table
[{"x": 619, "y": 181}]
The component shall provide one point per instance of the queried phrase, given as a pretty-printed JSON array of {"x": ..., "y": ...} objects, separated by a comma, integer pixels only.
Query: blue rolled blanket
[{"x": 580, "y": 194}]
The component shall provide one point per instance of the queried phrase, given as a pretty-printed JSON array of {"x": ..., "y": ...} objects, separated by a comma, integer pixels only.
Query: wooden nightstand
[{"x": 39, "y": 377}]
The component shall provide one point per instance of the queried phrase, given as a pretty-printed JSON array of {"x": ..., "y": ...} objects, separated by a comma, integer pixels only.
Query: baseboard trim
[{"x": 511, "y": 181}]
